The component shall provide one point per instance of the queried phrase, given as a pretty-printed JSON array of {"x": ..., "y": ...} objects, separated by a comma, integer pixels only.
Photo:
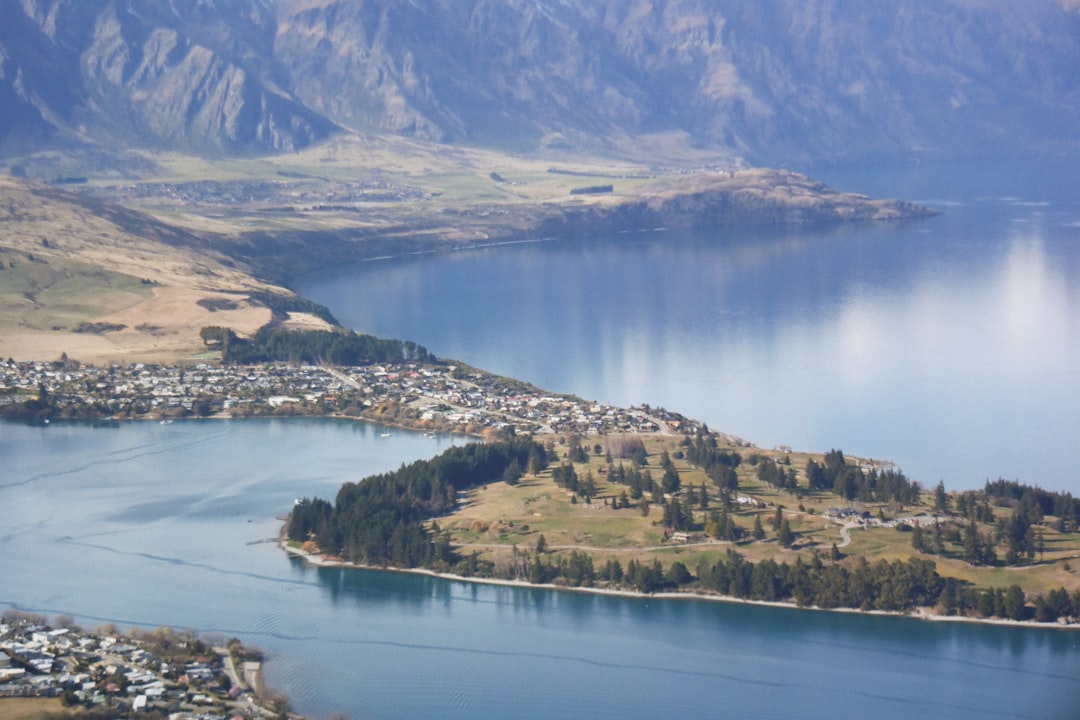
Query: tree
[
  {"x": 972, "y": 544},
  {"x": 759, "y": 531},
  {"x": 537, "y": 461},
  {"x": 1014, "y": 603},
  {"x": 577, "y": 453},
  {"x": 670, "y": 481},
  {"x": 541, "y": 545},
  {"x": 941, "y": 498},
  {"x": 513, "y": 473},
  {"x": 587, "y": 487},
  {"x": 678, "y": 574},
  {"x": 918, "y": 542},
  {"x": 787, "y": 538}
]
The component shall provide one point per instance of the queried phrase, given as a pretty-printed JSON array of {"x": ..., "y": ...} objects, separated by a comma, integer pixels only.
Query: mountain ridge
[{"x": 783, "y": 82}]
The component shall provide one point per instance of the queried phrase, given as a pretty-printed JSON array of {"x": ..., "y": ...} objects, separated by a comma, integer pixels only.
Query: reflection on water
[{"x": 946, "y": 344}]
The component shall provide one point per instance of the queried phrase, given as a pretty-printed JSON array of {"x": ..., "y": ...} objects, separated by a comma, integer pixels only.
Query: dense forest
[
  {"x": 380, "y": 520},
  {"x": 336, "y": 347}
]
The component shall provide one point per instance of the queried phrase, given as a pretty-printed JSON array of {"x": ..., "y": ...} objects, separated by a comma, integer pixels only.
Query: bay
[
  {"x": 144, "y": 524},
  {"x": 946, "y": 345}
]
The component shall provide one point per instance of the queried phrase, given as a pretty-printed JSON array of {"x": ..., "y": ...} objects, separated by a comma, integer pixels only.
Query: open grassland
[
  {"x": 31, "y": 708},
  {"x": 497, "y": 517},
  {"x": 44, "y": 292},
  {"x": 105, "y": 285}
]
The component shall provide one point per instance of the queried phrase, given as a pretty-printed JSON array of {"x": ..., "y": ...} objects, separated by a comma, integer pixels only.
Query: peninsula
[
  {"x": 193, "y": 243},
  {"x": 579, "y": 494},
  {"x": 694, "y": 512}
]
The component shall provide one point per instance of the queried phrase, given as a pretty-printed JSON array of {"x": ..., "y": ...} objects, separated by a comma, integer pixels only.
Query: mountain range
[{"x": 782, "y": 82}]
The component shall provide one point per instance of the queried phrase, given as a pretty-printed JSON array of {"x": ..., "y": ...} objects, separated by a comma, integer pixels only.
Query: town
[
  {"x": 174, "y": 673},
  {"x": 432, "y": 398}
]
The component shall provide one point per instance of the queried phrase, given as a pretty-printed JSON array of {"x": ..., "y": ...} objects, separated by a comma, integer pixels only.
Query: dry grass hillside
[{"x": 103, "y": 284}]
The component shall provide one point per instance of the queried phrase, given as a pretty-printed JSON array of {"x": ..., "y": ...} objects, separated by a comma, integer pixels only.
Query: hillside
[
  {"x": 101, "y": 283},
  {"x": 787, "y": 83}
]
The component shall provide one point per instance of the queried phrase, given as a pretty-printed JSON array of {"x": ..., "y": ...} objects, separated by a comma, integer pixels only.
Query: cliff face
[
  {"x": 780, "y": 81},
  {"x": 190, "y": 74},
  {"x": 805, "y": 79}
]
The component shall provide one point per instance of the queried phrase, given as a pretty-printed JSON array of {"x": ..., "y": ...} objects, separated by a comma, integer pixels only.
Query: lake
[
  {"x": 147, "y": 524},
  {"x": 946, "y": 345}
]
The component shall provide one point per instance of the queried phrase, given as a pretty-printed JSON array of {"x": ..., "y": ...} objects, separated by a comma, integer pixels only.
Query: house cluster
[
  {"x": 846, "y": 513},
  {"x": 116, "y": 673},
  {"x": 132, "y": 390},
  {"x": 437, "y": 397}
]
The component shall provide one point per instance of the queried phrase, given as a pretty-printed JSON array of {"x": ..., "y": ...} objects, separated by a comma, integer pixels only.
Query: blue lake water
[
  {"x": 164, "y": 525},
  {"x": 947, "y": 345}
]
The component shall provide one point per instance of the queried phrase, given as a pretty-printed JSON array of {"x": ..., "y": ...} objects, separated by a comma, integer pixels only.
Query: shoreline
[{"x": 922, "y": 614}]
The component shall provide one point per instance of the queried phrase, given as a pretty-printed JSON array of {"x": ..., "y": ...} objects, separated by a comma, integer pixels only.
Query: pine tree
[
  {"x": 759, "y": 531},
  {"x": 786, "y": 536},
  {"x": 941, "y": 498},
  {"x": 917, "y": 540}
]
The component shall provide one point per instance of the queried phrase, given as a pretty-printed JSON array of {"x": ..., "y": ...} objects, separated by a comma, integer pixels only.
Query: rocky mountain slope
[
  {"x": 188, "y": 75},
  {"x": 781, "y": 82}
]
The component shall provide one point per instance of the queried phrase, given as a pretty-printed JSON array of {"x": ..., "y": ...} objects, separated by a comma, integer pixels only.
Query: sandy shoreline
[{"x": 925, "y": 614}]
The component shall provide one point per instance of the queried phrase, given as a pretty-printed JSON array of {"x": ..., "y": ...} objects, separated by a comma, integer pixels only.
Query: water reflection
[{"x": 942, "y": 344}]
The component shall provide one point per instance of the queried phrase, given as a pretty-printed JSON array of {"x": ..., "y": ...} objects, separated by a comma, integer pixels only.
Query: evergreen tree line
[
  {"x": 770, "y": 473},
  {"x": 1039, "y": 502},
  {"x": 380, "y": 520},
  {"x": 337, "y": 347},
  {"x": 854, "y": 483},
  {"x": 893, "y": 586}
]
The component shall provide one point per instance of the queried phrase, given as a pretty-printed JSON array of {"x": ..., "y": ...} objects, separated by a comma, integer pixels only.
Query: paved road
[{"x": 845, "y": 536}]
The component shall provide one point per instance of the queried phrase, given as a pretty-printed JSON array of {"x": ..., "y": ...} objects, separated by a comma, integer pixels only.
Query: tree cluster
[
  {"x": 380, "y": 520},
  {"x": 854, "y": 483},
  {"x": 337, "y": 347},
  {"x": 1038, "y": 502},
  {"x": 637, "y": 481},
  {"x": 719, "y": 465}
]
